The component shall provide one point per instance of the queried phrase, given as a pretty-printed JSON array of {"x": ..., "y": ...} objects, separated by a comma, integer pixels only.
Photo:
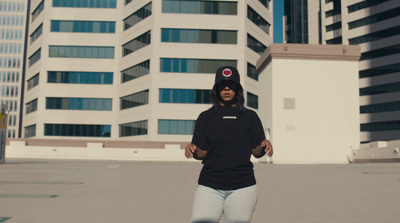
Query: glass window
[
  {"x": 382, "y": 107},
  {"x": 382, "y": 70},
  {"x": 137, "y": 16},
  {"x": 255, "y": 45},
  {"x": 136, "y": 44},
  {"x": 31, "y": 106},
  {"x": 252, "y": 71},
  {"x": 265, "y": 3},
  {"x": 175, "y": 127},
  {"x": 34, "y": 58},
  {"x": 92, "y": 52},
  {"x": 258, "y": 20},
  {"x": 85, "y": 3},
  {"x": 375, "y": 18},
  {"x": 198, "y": 36},
  {"x": 36, "y": 33},
  {"x": 30, "y": 131},
  {"x": 380, "y": 89},
  {"x": 135, "y": 71},
  {"x": 37, "y": 11},
  {"x": 77, "y": 130},
  {"x": 331, "y": 13},
  {"x": 190, "y": 96},
  {"x": 380, "y": 126},
  {"x": 252, "y": 100},
  {"x": 34, "y": 81},
  {"x": 333, "y": 26},
  {"x": 90, "y": 104},
  {"x": 364, "y": 4},
  {"x": 133, "y": 128},
  {"x": 10, "y": 117},
  {"x": 180, "y": 65},
  {"x": 395, "y": 30},
  {"x": 134, "y": 100},
  {"x": 82, "y": 26},
  {"x": 76, "y": 77},
  {"x": 199, "y": 7},
  {"x": 336, "y": 40},
  {"x": 390, "y": 50}
]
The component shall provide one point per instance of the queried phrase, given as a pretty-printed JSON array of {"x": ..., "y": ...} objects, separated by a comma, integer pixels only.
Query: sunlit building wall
[
  {"x": 136, "y": 70},
  {"x": 12, "y": 37},
  {"x": 374, "y": 26}
]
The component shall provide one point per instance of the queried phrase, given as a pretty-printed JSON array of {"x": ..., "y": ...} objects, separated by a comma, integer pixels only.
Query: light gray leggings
[{"x": 237, "y": 206}]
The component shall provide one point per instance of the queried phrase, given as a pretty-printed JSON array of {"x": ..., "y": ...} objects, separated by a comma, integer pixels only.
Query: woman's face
[{"x": 227, "y": 90}]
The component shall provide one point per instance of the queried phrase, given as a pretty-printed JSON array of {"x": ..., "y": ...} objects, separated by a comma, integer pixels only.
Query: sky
[{"x": 278, "y": 26}]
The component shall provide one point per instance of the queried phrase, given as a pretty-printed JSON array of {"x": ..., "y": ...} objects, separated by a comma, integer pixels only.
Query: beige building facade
[
  {"x": 372, "y": 25},
  {"x": 136, "y": 70}
]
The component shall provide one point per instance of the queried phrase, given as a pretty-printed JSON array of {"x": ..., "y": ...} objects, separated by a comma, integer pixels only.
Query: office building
[
  {"x": 12, "y": 40},
  {"x": 135, "y": 69},
  {"x": 375, "y": 27}
]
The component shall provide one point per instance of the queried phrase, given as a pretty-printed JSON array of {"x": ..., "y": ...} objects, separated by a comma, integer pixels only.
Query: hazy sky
[{"x": 278, "y": 15}]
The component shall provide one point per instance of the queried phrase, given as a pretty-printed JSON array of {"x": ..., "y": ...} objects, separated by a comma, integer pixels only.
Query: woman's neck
[{"x": 228, "y": 103}]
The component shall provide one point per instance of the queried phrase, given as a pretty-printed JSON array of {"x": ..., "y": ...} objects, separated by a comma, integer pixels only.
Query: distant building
[
  {"x": 12, "y": 40},
  {"x": 374, "y": 26},
  {"x": 136, "y": 70},
  {"x": 296, "y": 21}
]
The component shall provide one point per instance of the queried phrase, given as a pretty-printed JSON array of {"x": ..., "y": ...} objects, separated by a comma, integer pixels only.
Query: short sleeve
[
  {"x": 257, "y": 130},
  {"x": 199, "y": 136}
]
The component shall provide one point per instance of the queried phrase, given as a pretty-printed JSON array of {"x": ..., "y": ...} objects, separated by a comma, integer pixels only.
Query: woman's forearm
[
  {"x": 199, "y": 154},
  {"x": 258, "y": 151}
]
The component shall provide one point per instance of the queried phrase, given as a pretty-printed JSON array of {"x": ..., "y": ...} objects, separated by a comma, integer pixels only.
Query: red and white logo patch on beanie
[{"x": 227, "y": 72}]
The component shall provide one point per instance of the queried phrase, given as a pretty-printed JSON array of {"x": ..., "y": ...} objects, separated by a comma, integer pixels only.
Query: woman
[{"x": 224, "y": 138}]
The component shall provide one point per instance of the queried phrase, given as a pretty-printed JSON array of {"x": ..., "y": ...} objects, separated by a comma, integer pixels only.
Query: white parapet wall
[
  {"x": 98, "y": 150},
  {"x": 378, "y": 151},
  {"x": 106, "y": 150},
  {"x": 310, "y": 103}
]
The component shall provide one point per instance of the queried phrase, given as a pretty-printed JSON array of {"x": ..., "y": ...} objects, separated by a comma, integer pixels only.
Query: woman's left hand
[{"x": 267, "y": 146}]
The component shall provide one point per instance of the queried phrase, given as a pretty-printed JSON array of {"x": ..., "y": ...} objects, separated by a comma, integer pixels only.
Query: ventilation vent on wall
[{"x": 289, "y": 103}]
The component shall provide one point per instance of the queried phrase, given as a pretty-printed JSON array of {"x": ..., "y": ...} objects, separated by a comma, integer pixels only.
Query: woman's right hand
[{"x": 189, "y": 150}]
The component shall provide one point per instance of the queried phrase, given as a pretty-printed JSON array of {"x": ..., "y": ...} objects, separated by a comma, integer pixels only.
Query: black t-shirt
[{"x": 228, "y": 135}]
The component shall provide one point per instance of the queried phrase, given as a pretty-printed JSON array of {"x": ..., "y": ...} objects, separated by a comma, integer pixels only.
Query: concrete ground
[{"x": 65, "y": 191}]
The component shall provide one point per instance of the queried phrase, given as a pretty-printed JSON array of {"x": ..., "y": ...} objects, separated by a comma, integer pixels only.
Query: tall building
[
  {"x": 136, "y": 69},
  {"x": 12, "y": 41},
  {"x": 296, "y": 18},
  {"x": 374, "y": 25}
]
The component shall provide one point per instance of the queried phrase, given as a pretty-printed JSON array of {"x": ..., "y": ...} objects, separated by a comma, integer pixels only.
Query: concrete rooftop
[{"x": 65, "y": 191}]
